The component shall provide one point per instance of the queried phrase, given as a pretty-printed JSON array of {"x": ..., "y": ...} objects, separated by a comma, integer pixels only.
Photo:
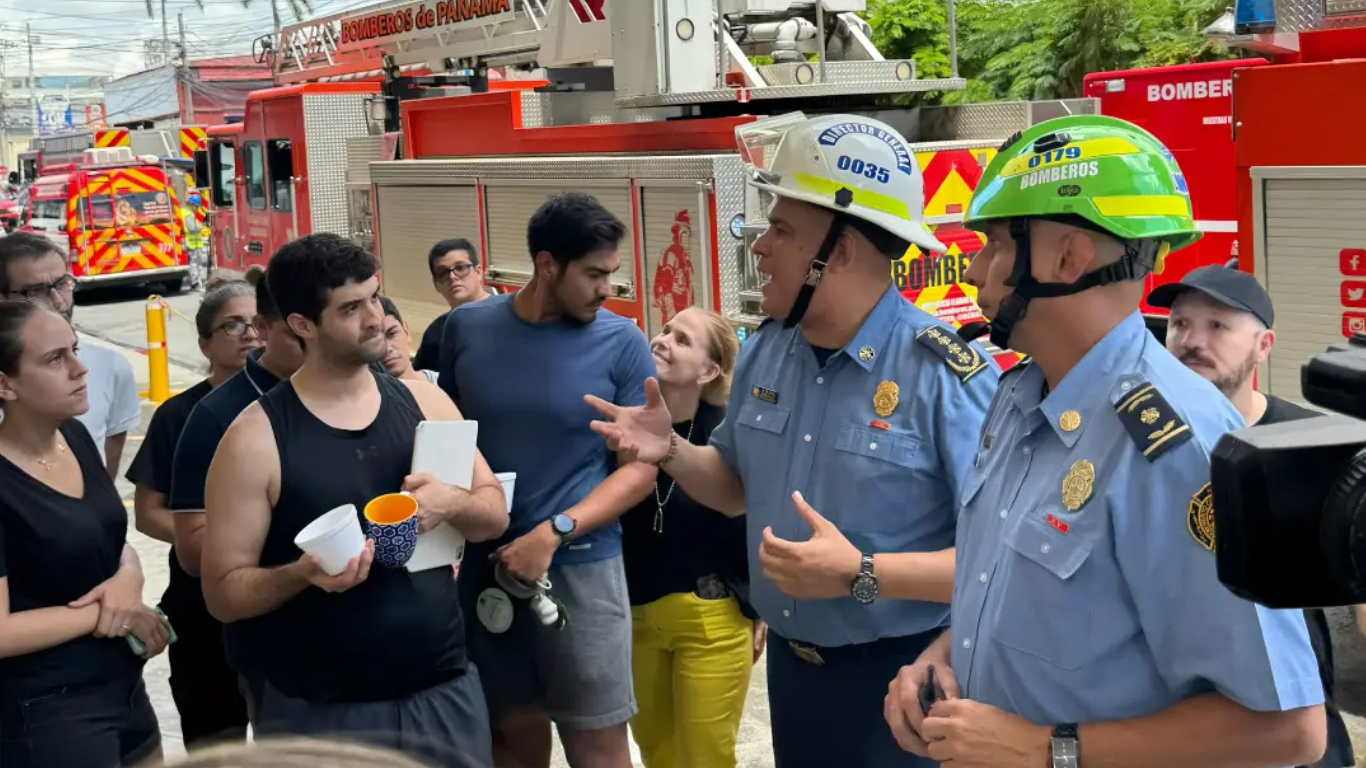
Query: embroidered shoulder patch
[
  {"x": 961, "y": 357},
  {"x": 1200, "y": 517},
  {"x": 1152, "y": 423}
]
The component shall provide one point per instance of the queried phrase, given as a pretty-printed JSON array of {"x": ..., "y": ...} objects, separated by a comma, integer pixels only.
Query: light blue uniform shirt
[
  {"x": 1114, "y": 609},
  {"x": 888, "y": 480}
]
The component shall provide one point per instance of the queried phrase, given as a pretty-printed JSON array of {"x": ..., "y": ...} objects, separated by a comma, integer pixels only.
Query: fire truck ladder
[{"x": 316, "y": 50}]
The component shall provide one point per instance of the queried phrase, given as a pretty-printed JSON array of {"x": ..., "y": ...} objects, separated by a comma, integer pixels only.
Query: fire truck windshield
[{"x": 130, "y": 209}]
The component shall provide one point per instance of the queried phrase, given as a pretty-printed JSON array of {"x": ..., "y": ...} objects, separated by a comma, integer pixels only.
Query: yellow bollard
[{"x": 159, "y": 369}]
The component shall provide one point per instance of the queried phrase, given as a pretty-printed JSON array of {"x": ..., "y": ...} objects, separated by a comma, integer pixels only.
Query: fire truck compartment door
[
  {"x": 1310, "y": 241},
  {"x": 411, "y": 220},
  {"x": 677, "y": 271},
  {"x": 509, "y": 205}
]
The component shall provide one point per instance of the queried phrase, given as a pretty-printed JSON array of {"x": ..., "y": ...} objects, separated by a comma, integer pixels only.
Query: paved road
[{"x": 118, "y": 320}]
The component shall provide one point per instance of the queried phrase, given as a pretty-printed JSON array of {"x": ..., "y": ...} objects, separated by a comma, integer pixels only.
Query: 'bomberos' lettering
[
  {"x": 419, "y": 16},
  {"x": 1060, "y": 173},
  {"x": 1195, "y": 89}
]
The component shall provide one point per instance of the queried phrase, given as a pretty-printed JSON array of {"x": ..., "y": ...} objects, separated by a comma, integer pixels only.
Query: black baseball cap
[{"x": 1226, "y": 285}]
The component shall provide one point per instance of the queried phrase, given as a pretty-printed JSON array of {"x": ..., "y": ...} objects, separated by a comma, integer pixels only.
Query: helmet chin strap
[
  {"x": 815, "y": 272},
  {"x": 1138, "y": 260}
]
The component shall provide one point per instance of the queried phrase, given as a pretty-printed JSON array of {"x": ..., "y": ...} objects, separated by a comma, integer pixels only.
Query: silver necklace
[{"x": 659, "y": 503}]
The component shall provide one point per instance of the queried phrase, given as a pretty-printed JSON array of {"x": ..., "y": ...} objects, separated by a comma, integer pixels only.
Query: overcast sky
[{"x": 98, "y": 37}]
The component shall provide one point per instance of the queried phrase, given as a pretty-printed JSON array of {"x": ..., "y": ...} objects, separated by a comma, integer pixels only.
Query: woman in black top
[
  {"x": 686, "y": 571},
  {"x": 71, "y": 692},
  {"x": 204, "y": 688}
]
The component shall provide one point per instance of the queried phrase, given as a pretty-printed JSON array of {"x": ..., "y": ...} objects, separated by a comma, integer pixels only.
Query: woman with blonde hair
[{"x": 695, "y": 639}]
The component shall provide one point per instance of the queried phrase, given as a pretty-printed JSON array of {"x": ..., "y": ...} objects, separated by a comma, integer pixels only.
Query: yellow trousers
[{"x": 691, "y": 661}]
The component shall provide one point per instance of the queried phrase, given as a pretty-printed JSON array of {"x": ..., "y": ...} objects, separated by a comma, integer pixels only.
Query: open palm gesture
[{"x": 641, "y": 433}]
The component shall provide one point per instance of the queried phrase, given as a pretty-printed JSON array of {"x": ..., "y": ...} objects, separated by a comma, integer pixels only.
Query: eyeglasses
[
  {"x": 234, "y": 328},
  {"x": 443, "y": 274},
  {"x": 64, "y": 284}
]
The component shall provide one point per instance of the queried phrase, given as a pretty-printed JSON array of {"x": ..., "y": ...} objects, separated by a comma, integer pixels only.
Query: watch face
[
  {"x": 563, "y": 524},
  {"x": 865, "y": 589}
]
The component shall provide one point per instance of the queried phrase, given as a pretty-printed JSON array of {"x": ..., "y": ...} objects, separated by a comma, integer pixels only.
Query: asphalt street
[{"x": 118, "y": 320}]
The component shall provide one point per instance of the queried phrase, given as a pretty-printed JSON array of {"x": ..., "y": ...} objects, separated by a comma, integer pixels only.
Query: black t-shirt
[
  {"x": 1339, "y": 752},
  {"x": 53, "y": 549},
  {"x": 428, "y": 356},
  {"x": 203, "y": 431},
  {"x": 183, "y": 600},
  {"x": 397, "y": 633},
  {"x": 693, "y": 541}
]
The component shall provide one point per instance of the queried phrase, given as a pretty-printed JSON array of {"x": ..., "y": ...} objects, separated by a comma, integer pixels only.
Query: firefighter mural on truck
[
  {"x": 673, "y": 290},
  {"x": 933, "y": 281}
]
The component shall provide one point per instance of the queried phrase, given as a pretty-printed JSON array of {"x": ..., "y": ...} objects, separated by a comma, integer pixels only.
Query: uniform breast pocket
[
  {"x": 877, "y": 467},
  {"x": 1047, "y": 599}
]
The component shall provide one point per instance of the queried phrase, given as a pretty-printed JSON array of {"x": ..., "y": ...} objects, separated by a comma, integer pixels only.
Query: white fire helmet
[{"x": 845, "y": 163}]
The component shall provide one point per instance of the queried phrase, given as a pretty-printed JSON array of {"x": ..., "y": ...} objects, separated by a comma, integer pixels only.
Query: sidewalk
[{"x": 181, "y": 378}]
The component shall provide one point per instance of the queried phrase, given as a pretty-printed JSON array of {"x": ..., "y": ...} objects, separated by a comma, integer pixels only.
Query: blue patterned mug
[{"x": 392, "y": 523}]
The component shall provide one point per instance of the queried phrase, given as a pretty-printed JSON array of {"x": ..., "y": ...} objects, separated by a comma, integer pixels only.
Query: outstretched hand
[
  {"x": 822, "y": 567},
  {"x": 640, "y": 433}
]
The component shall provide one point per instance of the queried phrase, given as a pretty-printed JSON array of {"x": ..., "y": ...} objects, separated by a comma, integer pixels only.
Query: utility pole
[
  {"x": 32, "y": 80},
  {"x": 5, "y": 45},
  {"x": 165, "y": 37},
  {"x": 186, "y": 81}
]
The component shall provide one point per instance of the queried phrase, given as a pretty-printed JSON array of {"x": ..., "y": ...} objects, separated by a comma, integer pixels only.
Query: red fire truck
[{"x": 655, "y": 144}]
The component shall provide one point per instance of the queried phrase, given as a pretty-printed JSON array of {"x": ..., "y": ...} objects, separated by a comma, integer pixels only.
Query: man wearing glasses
[
  {"x": 33, "y": 268},
  {"x": 459, "y": 279}
]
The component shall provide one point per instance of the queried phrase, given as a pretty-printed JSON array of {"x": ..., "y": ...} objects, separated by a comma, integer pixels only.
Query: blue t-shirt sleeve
[
  {"x": 635, "y": 364},
  {"x": 446, "y": 356},
  {"x": 723, "y": 437},
  {"x": 193, "y": 455}
]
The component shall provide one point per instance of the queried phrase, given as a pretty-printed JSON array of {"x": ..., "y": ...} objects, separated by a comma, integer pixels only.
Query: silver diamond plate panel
[
  {"x": 465, "y": 171},
  {"x": 329, "y": 120},
  {"x": 814, "y": 91},
  {"x": 532, "y": 116},
  {"x": 360, "y": 152},
  {"x": 973, "y": 121},
  {"x": 1342, "y": 7},
  {"x": 837, "y": 71},
  {"x": 732, "y": 253},
  {"x": 1299, "y": 15}
]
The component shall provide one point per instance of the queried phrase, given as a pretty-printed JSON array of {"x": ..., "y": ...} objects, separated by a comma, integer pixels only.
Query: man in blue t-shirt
[{"x": 519, "y": 364}]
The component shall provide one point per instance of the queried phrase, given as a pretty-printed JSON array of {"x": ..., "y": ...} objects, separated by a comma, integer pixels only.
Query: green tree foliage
[{"x": 1042, "y": 49}]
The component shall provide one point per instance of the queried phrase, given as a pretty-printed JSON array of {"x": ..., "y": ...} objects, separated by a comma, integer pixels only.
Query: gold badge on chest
[
  {"x": 1077, "y": 486},
  {"x": 886, "y": 398}
]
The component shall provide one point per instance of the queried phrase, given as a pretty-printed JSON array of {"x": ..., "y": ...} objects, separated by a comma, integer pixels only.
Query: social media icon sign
[
  {"x": 1352, "y": 262},
  {"x": 1353, "y": 323},
  {"x": 1353, "y": 294}
]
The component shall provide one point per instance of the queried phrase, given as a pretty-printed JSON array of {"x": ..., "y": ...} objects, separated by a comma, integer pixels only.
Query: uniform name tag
[{"x": 767, "y": 395}]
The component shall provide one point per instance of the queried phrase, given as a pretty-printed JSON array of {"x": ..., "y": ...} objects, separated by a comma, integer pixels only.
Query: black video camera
[{"x": 1290, "y": 498}]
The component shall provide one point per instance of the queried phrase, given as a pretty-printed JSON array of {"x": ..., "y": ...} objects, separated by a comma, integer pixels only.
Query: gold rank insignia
[
  {"x": 886, "y": 398},
  {"x": 1069, "y": 421},
  {"x": 1200, "y": 517},
  {"x": 866, "y": 354},
  {"x": 961, "y": 357},
  {"x": 1151, "y": 421},
  {"x": 1077, "y": 486}
]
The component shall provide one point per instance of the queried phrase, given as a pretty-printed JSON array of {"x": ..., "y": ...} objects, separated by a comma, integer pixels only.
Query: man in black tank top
[{"x": 375, "y": 653}]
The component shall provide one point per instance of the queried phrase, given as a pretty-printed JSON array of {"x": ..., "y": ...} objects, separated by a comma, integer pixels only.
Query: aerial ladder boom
[{"x": 682, "y": 52}]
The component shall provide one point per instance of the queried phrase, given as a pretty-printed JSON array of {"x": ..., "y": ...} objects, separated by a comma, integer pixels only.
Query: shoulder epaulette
[
  {"x": 961, "y": 357},
  {"x": 1151, "y": 422}
]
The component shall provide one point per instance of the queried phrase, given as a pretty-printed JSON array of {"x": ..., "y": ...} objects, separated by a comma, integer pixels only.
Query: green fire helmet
[{"x": 1107, "y": 171}]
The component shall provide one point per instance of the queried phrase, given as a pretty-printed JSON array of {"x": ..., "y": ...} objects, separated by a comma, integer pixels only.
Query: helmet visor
[{"x": 775, "y": 147}]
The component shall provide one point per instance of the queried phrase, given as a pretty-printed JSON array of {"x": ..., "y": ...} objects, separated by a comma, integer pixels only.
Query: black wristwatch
[
  {"x": 564, "y": 527},
  {"x": 1065, "y": 746},
  {"x": 864, "y": 588}
]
